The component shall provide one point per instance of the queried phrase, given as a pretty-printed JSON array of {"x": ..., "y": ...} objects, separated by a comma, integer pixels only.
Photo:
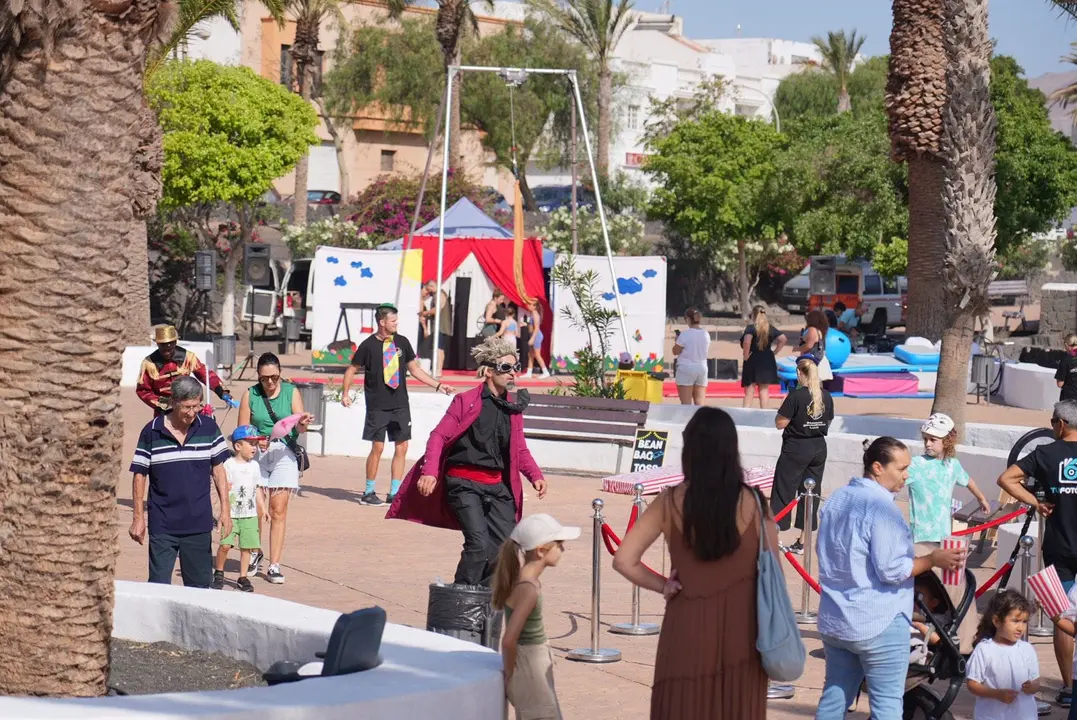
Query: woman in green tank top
[{"x": 539, "y": 541}]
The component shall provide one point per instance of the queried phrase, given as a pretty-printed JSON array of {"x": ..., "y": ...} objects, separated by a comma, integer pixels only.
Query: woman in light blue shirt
[{"x": 866, "y": 570}]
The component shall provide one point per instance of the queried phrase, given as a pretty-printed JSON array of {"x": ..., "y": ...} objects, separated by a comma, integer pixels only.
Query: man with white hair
[{"x": 469, "y": 478}]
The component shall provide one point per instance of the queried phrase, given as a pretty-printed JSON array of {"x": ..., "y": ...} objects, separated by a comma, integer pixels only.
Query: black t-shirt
[
  {"x": 1067, "y": 373},
  {"x": 368, "y": 358},
  {"x": 1054, "y": 468},
  {"x": 801, "y": 423},
  {"x": 486, "y": 442},
  {"x": 750, "y": 331}
]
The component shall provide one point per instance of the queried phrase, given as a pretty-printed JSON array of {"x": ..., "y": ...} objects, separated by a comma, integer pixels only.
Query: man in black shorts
[
  {"x": 1054, "y": 469},
  {"x": 386, "y": 359}
]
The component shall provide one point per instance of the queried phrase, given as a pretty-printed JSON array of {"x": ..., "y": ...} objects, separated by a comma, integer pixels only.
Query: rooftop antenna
[{"x": 664, "y": 8}]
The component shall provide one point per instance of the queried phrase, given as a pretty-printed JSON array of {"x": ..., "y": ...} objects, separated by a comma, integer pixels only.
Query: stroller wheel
[{"x": 921, "y": 704}]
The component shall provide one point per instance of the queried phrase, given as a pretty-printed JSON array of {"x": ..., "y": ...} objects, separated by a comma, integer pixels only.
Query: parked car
[
  {"x": 292, "y": 294},
  {"x": 856, "y": 280},
  {"x": 551, "y": 197}
]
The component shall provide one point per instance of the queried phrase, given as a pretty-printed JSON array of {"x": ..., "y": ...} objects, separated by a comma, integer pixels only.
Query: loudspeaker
[
  {"x": 823, "y": 275},
  {"x": 256, "y": 270},
  {"x": 205, "y": 270}
]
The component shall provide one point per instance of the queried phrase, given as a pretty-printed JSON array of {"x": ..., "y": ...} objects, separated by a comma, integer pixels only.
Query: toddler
[
  {"x": 1003, "y": 672},
  {"x": 243, "y": 478}
]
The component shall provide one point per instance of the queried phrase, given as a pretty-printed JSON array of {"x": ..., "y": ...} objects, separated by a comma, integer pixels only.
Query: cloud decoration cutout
[
  {"x": 608, "y": 296},
  {"x": 649, "y": 273},
  {"x": 340, "y": 281},
  {"x": 629, "y": 286},
  {"x": 333, "y": 260},
  {"x": 366, "y": 273},
  {"x": 357, "y": 264}
]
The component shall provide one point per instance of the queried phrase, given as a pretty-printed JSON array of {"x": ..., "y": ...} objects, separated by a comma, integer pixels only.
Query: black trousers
[
  {"x": 800, "y": 458},
  {"x": 195, "y": 556},
  {"x": 487, "y": 515}
]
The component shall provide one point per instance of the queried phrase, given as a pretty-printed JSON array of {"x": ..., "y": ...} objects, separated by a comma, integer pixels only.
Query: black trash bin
[{"x": 464, "y": 612}]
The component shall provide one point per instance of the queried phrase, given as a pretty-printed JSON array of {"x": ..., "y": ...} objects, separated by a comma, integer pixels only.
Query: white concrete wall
[{"x": 424, "y": 675}]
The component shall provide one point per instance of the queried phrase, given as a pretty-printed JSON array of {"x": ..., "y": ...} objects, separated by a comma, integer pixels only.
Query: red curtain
[{"x": 495, "y": 257}]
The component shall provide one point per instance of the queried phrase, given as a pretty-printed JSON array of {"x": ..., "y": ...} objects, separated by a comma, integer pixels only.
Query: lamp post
[{"x": 773, "y": 107}]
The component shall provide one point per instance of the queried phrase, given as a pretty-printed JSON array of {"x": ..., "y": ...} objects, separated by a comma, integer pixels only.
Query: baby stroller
[{"x": 942, "y": 661}]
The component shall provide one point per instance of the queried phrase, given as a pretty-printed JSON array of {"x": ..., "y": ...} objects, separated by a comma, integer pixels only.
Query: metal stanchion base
[
  {"x": 777, "y": 691},
  {"x": 1041, "y": 632},
  {"x": 1043, "y": 708},
  {"x": 630, "y": 629},
  {"x": 806, "y": 618},
  {"x": 602, "y": 655}
]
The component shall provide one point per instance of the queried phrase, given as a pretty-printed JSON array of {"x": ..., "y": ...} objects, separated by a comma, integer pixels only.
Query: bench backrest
[
  {"x": 1002, "y": 288},
  {"x": 567, "y": 415}
]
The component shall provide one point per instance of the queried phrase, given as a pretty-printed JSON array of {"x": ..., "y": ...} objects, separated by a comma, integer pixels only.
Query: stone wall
[{"x": 1058, "y": 311}]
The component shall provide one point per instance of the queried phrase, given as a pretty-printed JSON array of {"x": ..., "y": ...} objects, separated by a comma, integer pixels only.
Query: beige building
[{"x": 376, "y": 144}]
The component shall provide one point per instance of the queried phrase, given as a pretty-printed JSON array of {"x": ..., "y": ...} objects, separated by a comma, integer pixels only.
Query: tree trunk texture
[
  {"x": 70, "y": 154},
  {"x": 605, "y": 121},
  {"x": 927, "y": 248},
  {"x": 845, "y": 103},
  {"x": 742, "y": 279},
  {"x": 146, "y": 191},
  {"x": 338, "y": 145},
  {"x": 525, "y": 191},
  {"x": 302, "y": 168},
  {"x": 447, "y": 27}
]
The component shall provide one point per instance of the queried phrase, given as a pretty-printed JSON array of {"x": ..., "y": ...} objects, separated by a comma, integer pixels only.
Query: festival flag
[
  {"x": 953, "y": 577},
  {"x": 1049, "y": 592}
]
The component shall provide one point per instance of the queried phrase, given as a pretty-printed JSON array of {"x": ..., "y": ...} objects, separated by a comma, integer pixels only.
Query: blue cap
[
  {"x": 246, "y": 432},
  {"x": 808, "y": 356}
]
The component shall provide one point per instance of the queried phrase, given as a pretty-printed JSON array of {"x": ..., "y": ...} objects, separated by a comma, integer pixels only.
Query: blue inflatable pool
[{"x": 917, "y": 356}]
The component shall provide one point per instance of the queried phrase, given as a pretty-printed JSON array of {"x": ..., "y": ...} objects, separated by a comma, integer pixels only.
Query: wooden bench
[
  {"x": 585, "y": 419},
  {"x": 1010, "y": 292}
]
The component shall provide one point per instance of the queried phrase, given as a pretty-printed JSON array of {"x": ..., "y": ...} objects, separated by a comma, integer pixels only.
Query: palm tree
[
  {"x": 968, "y": 146},
  {"x": 598, "y": 25},
  {"x": 1066, "y": 96},
  {"x": 75, "y": 179},
  {"x": 916, "y": 96},
  {"x": 309, "y": 16},
  {"x": 839, "y": 52}
]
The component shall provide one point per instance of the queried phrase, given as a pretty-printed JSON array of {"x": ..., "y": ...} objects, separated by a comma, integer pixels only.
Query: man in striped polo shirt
[{"x": 177, "y": 457}]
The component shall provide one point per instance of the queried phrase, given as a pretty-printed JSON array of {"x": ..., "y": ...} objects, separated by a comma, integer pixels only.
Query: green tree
[
  {"x": 227, "y": 135},
  {"x": 839, "y": 52},
  {"x": 713, "y": 173},
  {"x": 891, "y": 259},
  {"x": 815, "y": 92}
]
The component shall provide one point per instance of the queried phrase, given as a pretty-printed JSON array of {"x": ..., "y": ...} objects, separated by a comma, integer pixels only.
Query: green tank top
[
  {"x": 282, "y": 406},
  {"x": 533, "y": 633}
]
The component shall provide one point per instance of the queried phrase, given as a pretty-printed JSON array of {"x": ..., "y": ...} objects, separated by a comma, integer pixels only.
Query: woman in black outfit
[
  {"x": 805, "y": 418},
  {"x": 760, "y": 342}
]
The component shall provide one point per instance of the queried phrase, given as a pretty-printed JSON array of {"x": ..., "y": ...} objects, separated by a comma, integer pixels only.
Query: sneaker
[
  {"x": 218, "y": 580},
  {"x": 274, "y": 575},
  {"x": 1064, "y": 697},
  {"x": 546, "y": 374},
  {"x": 244, "y": 584},
  {"x": 256, "y": 562},
  {"x": 371, "y": 498},
  {"x": 389, "y": 499},
  {"x": 526, "y": 374},
  {"x": 797, "y": 548}
]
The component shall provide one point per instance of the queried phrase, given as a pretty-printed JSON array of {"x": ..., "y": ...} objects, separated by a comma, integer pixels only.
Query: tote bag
[{"x": 779, "y": 642}]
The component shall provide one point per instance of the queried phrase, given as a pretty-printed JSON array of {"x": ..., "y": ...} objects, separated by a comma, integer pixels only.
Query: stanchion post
[
  {"x": 1026, "y": 543},
  {"x": 806, "y": 616},
  {"x": 1040, "y": 628},
  {"x": 596, "y": 654},
  {"x": 636, "y": 627}
]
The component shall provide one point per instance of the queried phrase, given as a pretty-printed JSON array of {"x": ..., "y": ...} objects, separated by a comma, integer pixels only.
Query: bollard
[
  {"x": 636, "y": 627},
  {"x": 806, "y": 616},
  {"x": 1040, "y": 628},
  {"x": 595, "y": 654}
]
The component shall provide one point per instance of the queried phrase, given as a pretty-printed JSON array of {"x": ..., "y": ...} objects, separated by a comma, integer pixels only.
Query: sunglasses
[
  {"x": 269, "y": 378},
  {"x": 503, "y": 368}
]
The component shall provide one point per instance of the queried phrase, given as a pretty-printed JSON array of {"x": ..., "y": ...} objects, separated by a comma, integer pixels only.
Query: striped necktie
[{"x": 390, "y": 362}]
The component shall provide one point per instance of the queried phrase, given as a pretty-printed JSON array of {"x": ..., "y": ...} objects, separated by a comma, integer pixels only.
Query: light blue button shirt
[{"x": 865, "y": 562}]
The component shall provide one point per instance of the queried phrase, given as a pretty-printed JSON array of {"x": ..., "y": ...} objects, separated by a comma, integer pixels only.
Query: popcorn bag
[
  {"x": 1049, "y": 592},
  {"x": 954, "y": 577}
]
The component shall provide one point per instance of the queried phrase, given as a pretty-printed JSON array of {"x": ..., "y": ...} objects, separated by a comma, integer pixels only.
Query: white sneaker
[
  {"x": 274, "y": 575},
  {"x": 526, "y": 374},
  {"x": 546, "y": 374}
]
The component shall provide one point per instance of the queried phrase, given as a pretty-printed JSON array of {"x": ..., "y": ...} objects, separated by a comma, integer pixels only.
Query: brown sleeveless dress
[{"x": 707, "y": 666}]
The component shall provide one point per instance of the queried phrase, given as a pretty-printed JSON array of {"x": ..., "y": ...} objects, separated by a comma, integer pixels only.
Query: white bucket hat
[
  {"x": 534, "y": 531},
  {"x": 938, "y": 425}
]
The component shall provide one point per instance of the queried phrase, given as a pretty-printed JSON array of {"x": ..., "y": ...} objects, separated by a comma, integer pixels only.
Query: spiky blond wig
[{"x": 492, "y": 350}]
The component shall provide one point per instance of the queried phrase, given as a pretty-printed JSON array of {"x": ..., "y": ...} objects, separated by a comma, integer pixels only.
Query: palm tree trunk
[
  {"x": 338, "y": 145},
  {"x": 145, "y": 191},
  {"x": 927, "y": 248},
  {"x": 845, "y": 103},
  {"x": 302, "y": 168},
  {"x": 452, "y": 57},
  {"x": 742, "y": 279},
  {"x": 605, "y": 121},
  {"x": 68, "y": 130}
]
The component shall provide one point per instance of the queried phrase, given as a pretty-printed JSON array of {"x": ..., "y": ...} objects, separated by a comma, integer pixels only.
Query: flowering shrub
[
  {"x": 625, "y": 229},
  {"x": 331, "y": 231}
]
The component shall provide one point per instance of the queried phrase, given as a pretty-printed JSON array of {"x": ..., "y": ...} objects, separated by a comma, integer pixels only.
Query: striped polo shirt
[{"x": 180, "y": 475}]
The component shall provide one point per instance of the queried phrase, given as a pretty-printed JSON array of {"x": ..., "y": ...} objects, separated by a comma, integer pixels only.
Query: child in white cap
[{"x": 536, "y": 544}]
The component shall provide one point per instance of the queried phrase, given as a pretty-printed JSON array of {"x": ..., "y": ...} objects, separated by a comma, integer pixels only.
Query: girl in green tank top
[{"x": 536, "y": 543}]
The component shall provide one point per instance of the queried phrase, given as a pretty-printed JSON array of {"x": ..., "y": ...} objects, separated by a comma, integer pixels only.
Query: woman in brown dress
[{"x": 707, "y": 665}]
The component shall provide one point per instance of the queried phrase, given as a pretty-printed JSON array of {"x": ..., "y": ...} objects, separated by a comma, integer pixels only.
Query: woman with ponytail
[
  {"x": 760, "y": 342},
  {"x": 804, "y": 418},
  {"x": 539, "y": 541}
]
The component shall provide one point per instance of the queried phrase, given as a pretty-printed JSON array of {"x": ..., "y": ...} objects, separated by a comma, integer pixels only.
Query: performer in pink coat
[{"x": 469, "y": 478}]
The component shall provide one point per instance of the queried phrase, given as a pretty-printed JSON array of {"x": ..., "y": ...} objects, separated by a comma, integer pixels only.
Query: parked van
[
  {"x": 292, "y": 294},
  {"x": 855, "y": 281}
]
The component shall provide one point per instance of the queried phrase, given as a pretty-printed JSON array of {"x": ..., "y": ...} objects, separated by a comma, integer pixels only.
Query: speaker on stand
[
  {"x": 205, "y": 279},
  {"x": 257, "y": 274},
  {"x": 823, "y": 275}
]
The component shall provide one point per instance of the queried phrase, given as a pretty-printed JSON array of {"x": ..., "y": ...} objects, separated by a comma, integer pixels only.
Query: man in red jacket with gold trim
[
  {"x": 167, "y": 363},
  {"x": 469, "y": 478}
]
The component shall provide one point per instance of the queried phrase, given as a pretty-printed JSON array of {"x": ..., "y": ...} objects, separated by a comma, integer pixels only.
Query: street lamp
[{"x": 773, "y": 107}]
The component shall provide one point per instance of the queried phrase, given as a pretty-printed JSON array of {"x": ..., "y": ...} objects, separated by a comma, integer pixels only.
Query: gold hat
[{"x": 165, "y": 334}]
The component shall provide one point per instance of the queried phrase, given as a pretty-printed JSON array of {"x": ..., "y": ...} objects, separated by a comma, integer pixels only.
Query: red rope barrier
[
  {"x": 786, "y": 510},
  {"x": 994, "y": 523},
  {"x": 993, "y": 579},
  {"x": 633, "y": 516},
  {"x": 613, "y": 542},
  {"x": 803, "y": 573}
]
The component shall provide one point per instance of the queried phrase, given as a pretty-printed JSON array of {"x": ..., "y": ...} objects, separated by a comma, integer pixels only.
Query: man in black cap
[{"x": 383, "y": 358}]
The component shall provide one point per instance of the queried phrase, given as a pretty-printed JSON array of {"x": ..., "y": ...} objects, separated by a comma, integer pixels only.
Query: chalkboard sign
[{"x": 649, "y": 450}]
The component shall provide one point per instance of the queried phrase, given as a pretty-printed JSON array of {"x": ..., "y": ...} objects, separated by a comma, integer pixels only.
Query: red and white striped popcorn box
[
  {"x": 954, "y": 577},
  {"x": 1049, "y": 592}
]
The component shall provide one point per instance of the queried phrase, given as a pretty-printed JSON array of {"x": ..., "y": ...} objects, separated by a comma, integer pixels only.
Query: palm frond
[
  {"x": 1066, "y": 96},
  {"x": 598, "y": 25},
  {"x": 190, "y": 14},
  {"x": 316, "y": 11},
  {"x": 1068, "y": 7}
]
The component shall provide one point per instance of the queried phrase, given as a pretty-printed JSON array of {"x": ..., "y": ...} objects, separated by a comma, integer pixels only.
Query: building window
[
  {"x": 286, "y": 65},
  {"x": 745, "y": 110},
  {"x": 388, "y": 158},
  {"x": 289, "y": 78},
  {"x": 633, "y": 117}
]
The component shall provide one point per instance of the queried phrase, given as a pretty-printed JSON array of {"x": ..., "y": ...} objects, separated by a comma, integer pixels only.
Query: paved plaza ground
[{"x": 345, "y": 556}]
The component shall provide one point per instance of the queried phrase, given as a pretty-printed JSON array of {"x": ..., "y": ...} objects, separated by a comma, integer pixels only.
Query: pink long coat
[{"x": 434, "y": 510}]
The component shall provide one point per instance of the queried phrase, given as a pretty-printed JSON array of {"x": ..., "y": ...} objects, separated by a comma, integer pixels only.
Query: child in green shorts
[{"x": 243, "y": 478}]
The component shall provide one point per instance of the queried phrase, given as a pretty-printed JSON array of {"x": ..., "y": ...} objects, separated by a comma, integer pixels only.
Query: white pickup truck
[{"x": 883, "y": 296}]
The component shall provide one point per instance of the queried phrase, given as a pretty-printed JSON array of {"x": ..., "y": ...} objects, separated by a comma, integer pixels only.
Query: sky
[{"x": 1030, "y": 30}]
